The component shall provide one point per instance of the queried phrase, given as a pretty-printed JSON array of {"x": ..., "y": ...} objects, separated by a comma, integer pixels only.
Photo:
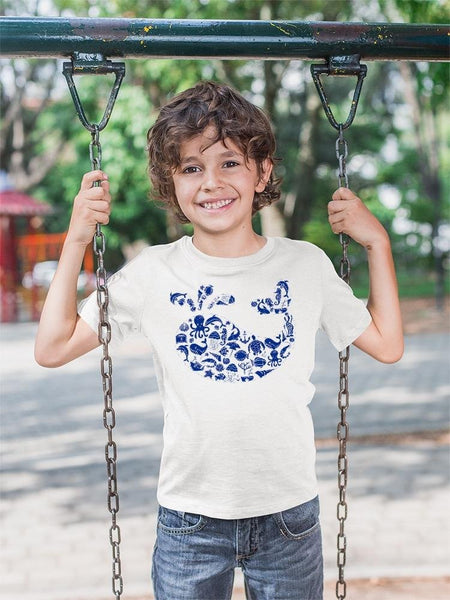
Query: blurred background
[
  {"x": 54, "y": 542},
  {"x": 398, "y": 145}
]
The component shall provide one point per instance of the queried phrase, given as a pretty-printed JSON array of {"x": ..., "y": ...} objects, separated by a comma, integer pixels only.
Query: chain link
[
  {"x": 343, "y": 395},
  {"x": 109, "y": 415}
]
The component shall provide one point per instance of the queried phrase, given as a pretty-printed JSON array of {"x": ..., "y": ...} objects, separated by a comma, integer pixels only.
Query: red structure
[
  {"x": 13, "y": 205},
  {"x": 38, "y": 254},
  {"x": 28, "y": 256}
]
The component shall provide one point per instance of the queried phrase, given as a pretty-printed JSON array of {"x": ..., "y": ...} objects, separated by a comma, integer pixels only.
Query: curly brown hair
[{"x": 189, "y": 114}]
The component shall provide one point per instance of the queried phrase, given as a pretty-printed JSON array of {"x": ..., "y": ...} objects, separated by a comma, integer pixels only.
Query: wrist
[
  {"x": 73, "y": 241},
  {"x": 74, "y": 250},
  {"x": 381, "y": 242}
]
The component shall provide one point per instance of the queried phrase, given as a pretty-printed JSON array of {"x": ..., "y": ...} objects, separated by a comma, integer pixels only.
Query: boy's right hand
[{"x": 91, "y": 205}]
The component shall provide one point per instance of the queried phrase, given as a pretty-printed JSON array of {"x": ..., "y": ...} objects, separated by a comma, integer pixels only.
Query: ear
[{"x": 266, "y": 170}]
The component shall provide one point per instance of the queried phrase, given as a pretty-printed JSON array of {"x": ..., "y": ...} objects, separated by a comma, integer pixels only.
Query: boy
[{"x": 231, "y": 318}]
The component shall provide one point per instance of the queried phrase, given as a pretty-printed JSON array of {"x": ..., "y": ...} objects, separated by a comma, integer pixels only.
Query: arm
[
  {"x": 383, "y": 339},
  {"x": 62, "y": 335}
]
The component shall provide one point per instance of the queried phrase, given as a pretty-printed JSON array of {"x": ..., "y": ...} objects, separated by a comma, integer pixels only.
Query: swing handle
[
  {"x": 93, "y": 64},
  {"x": 342, "y": 66}
]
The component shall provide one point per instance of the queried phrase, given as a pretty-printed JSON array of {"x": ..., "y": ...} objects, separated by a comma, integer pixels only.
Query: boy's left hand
[{"x": 348, "y": 214}]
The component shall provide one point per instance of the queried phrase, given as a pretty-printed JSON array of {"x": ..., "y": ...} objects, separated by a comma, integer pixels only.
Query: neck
[{"x": 228, "y": 246}]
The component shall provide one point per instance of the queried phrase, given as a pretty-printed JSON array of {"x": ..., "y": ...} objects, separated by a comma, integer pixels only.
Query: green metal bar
[{"x": 139, "y": 38}]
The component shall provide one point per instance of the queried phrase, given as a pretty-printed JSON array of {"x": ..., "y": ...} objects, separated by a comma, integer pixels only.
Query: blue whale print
[{"x": 218, "y": 349}]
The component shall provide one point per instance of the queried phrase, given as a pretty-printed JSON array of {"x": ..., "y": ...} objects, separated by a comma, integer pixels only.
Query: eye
[
  {"x": 230, "y": 163},
  {"x": 189, "y": 170}
]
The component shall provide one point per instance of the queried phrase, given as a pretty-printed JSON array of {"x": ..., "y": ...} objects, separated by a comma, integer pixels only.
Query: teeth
[{"x": 217, "y": 204}]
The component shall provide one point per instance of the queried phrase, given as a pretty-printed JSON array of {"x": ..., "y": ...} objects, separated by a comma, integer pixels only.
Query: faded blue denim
[{"x": 280, "y": 555}]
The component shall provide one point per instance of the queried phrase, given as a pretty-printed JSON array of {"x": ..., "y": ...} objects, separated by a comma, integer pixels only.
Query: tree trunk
[
  {"x": 272, "y": 221},
  {"x": 307, "y": 156},
  {"x": 20, "y": 159}
]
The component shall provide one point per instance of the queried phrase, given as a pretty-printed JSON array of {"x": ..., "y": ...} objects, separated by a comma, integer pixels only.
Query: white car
[{"x": 43, "y": 273}]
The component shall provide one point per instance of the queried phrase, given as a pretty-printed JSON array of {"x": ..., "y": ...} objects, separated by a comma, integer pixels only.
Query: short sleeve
[
  {"x": 343, "y": 317},
  {"x": 125, "y": 305}
]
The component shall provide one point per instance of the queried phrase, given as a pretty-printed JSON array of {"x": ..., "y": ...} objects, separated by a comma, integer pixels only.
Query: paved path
[{"x": 54, "y": 543}]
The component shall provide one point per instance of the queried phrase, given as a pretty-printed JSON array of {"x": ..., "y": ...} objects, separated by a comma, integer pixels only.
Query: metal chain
[
  {"x": 343, "y": 395},
  {"x": 109, "y": 416},
  {"x": 341, "y": 66}
]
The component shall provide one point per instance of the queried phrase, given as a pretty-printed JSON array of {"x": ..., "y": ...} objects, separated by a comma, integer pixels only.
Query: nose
[{"x": 212, "y": 180}]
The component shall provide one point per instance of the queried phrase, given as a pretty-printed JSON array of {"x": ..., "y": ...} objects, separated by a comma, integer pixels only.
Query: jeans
[{"x": 280, "y": 555}]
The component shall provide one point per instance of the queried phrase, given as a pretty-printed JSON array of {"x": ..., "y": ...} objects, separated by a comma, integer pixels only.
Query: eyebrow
[{"x": 226, "y": 154}]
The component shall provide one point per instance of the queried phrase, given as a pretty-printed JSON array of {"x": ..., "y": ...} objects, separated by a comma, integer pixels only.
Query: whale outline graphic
[{"x": 219, "y": 349}]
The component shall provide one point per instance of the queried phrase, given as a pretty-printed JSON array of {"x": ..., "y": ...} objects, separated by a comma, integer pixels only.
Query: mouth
[{"x": 217, "y": 204}]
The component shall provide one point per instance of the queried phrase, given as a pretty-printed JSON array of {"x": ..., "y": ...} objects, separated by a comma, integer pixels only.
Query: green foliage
[{"x": 421, "y": 11}]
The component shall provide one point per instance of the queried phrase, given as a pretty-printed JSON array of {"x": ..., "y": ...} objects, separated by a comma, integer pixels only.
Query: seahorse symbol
[{"x": 219, "y": 349}]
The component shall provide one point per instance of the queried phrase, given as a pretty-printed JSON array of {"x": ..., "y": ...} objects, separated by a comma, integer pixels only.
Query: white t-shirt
[{"x": 233, "y": 344}]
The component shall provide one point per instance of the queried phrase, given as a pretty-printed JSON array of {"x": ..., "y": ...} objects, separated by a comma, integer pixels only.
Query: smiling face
[
  {"x": 208, "y": 109},
  {"x": 215, "y": 186}
]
